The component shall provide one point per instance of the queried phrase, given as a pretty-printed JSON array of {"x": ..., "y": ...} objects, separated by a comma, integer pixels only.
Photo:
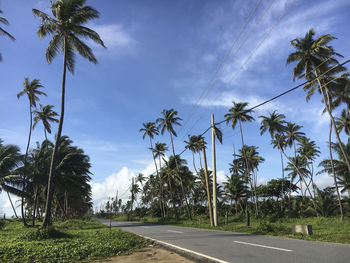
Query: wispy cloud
[{"x": 117, "y": 40}]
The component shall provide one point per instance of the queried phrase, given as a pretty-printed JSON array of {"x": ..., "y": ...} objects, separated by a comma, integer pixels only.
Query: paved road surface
[{"x": 240, "y": 247}]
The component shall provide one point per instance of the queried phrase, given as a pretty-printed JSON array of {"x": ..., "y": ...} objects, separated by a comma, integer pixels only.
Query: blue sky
[{"x": 161, "y": 55}]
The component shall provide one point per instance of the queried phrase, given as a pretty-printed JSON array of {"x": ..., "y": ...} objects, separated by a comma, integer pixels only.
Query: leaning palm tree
[
  {"x": 193, "y": 145},
  {"x": 315, "y": 61},
  {"x": 45, "y": 115},
  {"x": 4, "y": 21},
  {"x": 31, "y": 89},
  {"x": 293, "y": 134},
  {"x": 66, "y": 28},
  {"x": 159, "y": 152}
]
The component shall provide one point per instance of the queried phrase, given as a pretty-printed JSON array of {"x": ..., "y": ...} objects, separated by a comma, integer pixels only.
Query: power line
[
  {"x": 247, "y": 60},
  {"x": 221, "y": 64}
]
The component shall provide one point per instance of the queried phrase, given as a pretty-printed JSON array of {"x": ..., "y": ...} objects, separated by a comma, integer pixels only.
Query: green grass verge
[
  {"x": 327, "y": 229},
  {"x": 68, "y": 241}
]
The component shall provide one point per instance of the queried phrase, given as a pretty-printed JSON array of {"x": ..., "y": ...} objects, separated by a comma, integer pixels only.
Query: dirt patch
[{"x": 149, "y": 255}]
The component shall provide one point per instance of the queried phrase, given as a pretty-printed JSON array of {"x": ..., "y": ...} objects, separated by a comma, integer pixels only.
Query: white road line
[
  {"x": 186, "y": 250},
  {"x": 257, "y": 245},
  {"x": 145, "y": 226},
  {"x": 174, "y": 231}
]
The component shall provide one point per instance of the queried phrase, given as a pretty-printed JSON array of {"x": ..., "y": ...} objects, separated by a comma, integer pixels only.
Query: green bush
[{"x": 41, "y": 234}]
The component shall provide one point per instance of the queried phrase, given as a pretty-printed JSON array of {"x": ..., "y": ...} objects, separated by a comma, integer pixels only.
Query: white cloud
[
  {"x": 118, "y": 182},
  {"x": 115, "y": 38},
  {"x": 323, "y": 181}
]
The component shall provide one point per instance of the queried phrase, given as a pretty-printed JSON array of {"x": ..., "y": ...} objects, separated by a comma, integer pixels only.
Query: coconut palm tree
[
  {"x": 166, "y": 122},
  {"x": 4, "y": 21},
  {"x": 159, "y": 152},
  {"x": 66, "y": 27},
  {"x": 235, "y": 189},
  {"x": 238, "y": 114},
  {"x": 10, "y": 159},
  {"x": 31, "y": 90},
  {"x": 193, "y": 145},
  {"x": 341, "y": 92},
  {"x": 315, "y": 60},
  {"x": 45, "y": 115},
  {"x": 275, "y": 125},
  {"x": 292, "y": 134},
  {"x": 343, "y": 122},
  {"x": 150, "y": 129}
]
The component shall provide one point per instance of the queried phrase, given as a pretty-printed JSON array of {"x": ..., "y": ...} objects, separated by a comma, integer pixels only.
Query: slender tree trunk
[
  {"x": 333, "y": 172},
  {"x": 282, "y": 203},
  {"x": 25, "y": 164},
  {"x": 13, "y": 208},
  {"x": 207, "y": 186},
  {"x": 50, "y": 188},
  {"x": 35, "y": 204}
]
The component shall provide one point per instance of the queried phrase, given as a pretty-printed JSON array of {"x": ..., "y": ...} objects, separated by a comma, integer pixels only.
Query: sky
[{"x": 162, "y": 54}]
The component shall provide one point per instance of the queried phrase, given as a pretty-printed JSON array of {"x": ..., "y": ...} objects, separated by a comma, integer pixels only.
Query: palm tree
[
  {"x": 167, "y": 122},
  {"x": 149, "y": 129},
  {"x": 292, "y": 134},
  {"x": 315, "y": 60},
  {"x": 239, "y": 113},
  {"x": 66, "y": 28},
  {"x": 31, "y": 89},
  {"x": 343, "y": 122},
  {"x": 235, "y": 189},
  {"x": 46, "y": 115},
  {"x": 274, "y": 124},
  {"x": 159, "y": 152},
  {"x": 10, "y": 158},
  {"x": 4, "y": 21},
  {"x": 341, "y": 92},
  {"x": 193, "y": 145}
]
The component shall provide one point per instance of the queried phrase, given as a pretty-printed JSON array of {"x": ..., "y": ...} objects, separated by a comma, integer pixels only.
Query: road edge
[{"x": 187, "y": 253}]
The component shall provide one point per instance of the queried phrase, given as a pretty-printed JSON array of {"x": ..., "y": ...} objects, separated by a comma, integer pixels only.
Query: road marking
[
  {"x": 185, "y": 250},
  {"x": 174, "y": 231},
  {"x": 257, "y": 245},
  {"x": 145, "y": 226}
]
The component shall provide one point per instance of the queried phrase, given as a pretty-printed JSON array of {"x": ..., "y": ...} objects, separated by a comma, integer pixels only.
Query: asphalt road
[{"x": 240, "y": 247}]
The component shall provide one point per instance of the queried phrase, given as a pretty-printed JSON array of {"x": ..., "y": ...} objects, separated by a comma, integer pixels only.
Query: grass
[
  {"x": 68, "y": 241},
  {"x": 326, "y": 229}
]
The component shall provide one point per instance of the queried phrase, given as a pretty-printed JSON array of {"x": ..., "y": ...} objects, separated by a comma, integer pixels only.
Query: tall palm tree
[
  {"x": 4, "y": 21},
  {"x": 293, "y": 134},
  {"x": 341, "y": 92},
  {"x": 235, "y": 189},
  {"x": 159, "y": 152},
  {"x": 150, "y": 129},
  {"x": 315, "y": 59},
  {"x": 238, "y": 114},
  {"x": 166, "y": 122},
  {"x": 31, "y": 89},
  {"x": 66, "y": 28},
  {"x": 193, "y": 145},
  {"x": 45, "y": 115}
]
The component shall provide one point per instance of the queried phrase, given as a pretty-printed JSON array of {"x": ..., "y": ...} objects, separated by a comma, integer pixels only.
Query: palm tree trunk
[
  {"x": 35, "y": 204},
  {"x": 25, "y": 164},
  {"x": 333, "y": 172},
  {"x": 50, "y": 183},
  {"x": 13, "y": 208},
  {"x": 207, "y": 186},
  {"x": 155, "y": 164},
  {"x": 282, "y": 202}
]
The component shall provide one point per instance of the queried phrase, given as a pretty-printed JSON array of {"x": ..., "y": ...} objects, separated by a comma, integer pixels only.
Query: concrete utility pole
[{"x": 214, "y": 170}]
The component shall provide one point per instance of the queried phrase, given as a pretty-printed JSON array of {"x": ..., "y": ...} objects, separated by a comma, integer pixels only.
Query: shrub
[{"x": 2, "y": 224}]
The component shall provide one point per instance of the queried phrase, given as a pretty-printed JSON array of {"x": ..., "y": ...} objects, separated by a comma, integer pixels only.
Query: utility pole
[{"x": 214, "y": 170}]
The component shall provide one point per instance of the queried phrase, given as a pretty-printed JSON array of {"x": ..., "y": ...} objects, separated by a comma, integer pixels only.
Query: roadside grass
[
  {"x": 67, "y": 241},
  {"x": 326, "y": 229}
]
